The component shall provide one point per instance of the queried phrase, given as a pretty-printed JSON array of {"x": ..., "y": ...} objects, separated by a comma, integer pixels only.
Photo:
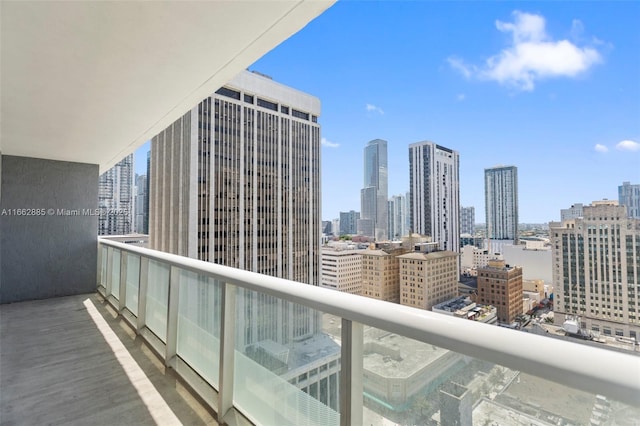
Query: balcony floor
[{"x": 70, "y": 360}]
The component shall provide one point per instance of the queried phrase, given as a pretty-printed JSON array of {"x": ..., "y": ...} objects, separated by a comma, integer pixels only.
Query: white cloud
[
  {"x": 459, "y": 65},
  {"x": 600, "y": 148},
  {"x": 371, "y": 107},
  {"x": 460, "y": 97},
  {"x": 531, "y": 56},
  {"x": 628, "y": 146},
  {"x": 328, "y": 143}
]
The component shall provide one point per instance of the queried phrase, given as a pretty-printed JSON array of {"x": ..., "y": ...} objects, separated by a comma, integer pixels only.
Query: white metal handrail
[{"x": 595, "y": 370}]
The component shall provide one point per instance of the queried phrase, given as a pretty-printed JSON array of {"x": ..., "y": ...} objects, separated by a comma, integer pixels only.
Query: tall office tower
[
  {"x": 115, "y": 199},
  {"x": 342, "y": 269},
  {"x": 434, "y": 181},
  {"x": 349, "y": 222},
  {"x": 596, "y": 272},
  {"x": 146, "y": 203},
  {"x": 573, "y": 212},
  {"x": 501, "y": 202},
  {"x": 500, "y": 285},
  {"x": 629, "y": 196},
  {"x": 428, "y": 278},
  {"x": 141, "y": 206},
  {"x": 468, "y": 220},
  {"x": 327, "y": 227},
  {"x": 236, "y": 181},
  {"x": 374, "y": 193},
  {"x": 397, "y": 217}
]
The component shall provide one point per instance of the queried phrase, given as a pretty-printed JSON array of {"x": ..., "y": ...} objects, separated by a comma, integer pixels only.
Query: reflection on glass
[
  {"x": 157, "y": 298},
  {"x": 133, "y": 283},
  {"x": 115, "y": 274},
  {"x": 287, "y": 368},
  {"x": 410, "y": 382},
  {"x": 199, "y": 312}
]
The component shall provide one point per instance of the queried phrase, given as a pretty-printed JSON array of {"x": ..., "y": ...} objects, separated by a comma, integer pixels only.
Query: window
[
  {"x": 267, "y": 104},
  {"x": 228, "y": 93},
  {"x": 248, "y": 99}
]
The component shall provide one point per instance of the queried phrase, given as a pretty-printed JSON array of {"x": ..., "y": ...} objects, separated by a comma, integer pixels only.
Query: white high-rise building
[
  {"x": 236, "y": 182},
  {"x": 468, "y": 220},
  {"x": 629, "y": 196},
  {"x": 501, "y": 202},
  {"x": 596, "y": 272},
  {"x": 374, "y": 195},
  {"x": 115, "y": 199},
  {"x": 397, "y": 217},
  {"x": 434, "y": 187}
]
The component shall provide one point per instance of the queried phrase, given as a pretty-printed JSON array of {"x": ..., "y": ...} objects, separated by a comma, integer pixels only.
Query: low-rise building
[
  {"x": 464, "y": 307},
  {"x": 342, "y": 269},
  {"x": 380, "y": 278},
  {"x": 427, "y": 279},
  {"x": 500, "y": 285}
]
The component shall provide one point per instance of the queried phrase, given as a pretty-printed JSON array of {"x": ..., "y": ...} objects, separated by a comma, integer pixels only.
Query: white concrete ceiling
[{"x": 92, "y": 81}]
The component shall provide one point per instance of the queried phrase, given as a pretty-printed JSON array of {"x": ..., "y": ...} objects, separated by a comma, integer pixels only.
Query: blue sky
[{"x": 550, "y": 87}]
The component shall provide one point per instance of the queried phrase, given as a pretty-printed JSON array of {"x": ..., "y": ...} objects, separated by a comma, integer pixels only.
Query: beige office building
[
  {"x": 500, "y": 285},
  {"x": 342, "y": 269},
  {"x": 380, "y": 274},
  {"x": 427, "y": 279},
  {"x": 596, "y": 270}
]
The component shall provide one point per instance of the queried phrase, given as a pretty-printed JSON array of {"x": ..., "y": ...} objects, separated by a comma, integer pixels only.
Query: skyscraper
[
  {"x": 629, "y": 196},
  {"x": 115, "y": 199},
  {"x": 434, "y": 186},
  {"x": 501, "y": 202},
  {"x": 596, "y": 274},
  {"x": 468, "y": 220},
  {"x": 141, "y": 221},
  {"x": 349, "y": 222},
  {"x": 397, "y": 217},
  {"x": 374, "y": 193},
  {"x": 236, "y": 182}
]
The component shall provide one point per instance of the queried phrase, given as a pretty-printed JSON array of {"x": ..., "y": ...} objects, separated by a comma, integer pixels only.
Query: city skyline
[{"x": 378, "y": 84}]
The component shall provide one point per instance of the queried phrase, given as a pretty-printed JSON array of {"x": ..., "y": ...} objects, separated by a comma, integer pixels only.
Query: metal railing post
[
  {"x": 108, "y": 283},
  {"x": 227, "y": 350},
  {"x": 142, "y": 293},
  {"x": 351, "y": 369},
  {"x": 122, "y": 298},
  {"x": 172, "y": 315}
]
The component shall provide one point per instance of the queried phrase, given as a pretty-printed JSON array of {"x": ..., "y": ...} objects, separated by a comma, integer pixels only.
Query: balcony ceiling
[{"x": 92, "y": 81}]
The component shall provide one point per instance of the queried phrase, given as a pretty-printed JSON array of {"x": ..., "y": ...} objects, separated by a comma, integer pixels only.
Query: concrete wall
[{"x": 55, "y": 253}]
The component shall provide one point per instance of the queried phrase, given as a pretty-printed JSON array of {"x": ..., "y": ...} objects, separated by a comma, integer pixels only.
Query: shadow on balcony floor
[{"x": 61, "y": 365}]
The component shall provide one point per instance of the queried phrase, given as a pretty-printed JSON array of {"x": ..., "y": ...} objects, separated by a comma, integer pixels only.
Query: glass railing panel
[
  {"x": 286, "y": 364},
  {"x": 199, "y": 310},
  {"x": 157, "y": 298},
  {"x": 103, "y": 265},
  {"x": 409, "y": 382},
  {"x": 133, "y": 283},
  {"x": 115, "y": 273}
]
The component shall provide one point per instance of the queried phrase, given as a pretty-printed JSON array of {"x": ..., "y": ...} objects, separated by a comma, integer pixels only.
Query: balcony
[{"x": 263, "y": 350}]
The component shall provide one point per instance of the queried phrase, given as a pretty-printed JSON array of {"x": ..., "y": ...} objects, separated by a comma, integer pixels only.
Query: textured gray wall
[{"x": 54, "y": 254}]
